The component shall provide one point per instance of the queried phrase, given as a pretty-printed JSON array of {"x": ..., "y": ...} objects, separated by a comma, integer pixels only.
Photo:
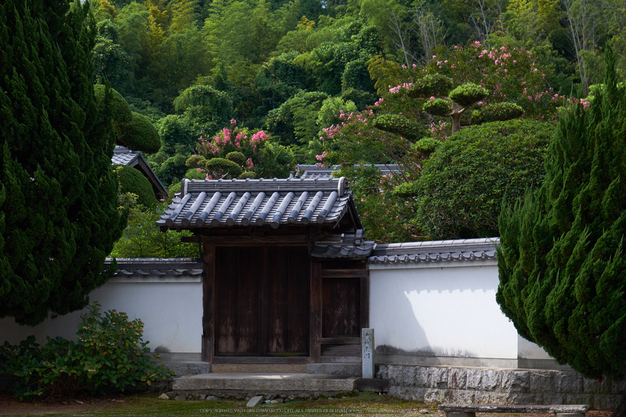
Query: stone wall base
[{"x": 437, "y": 384}]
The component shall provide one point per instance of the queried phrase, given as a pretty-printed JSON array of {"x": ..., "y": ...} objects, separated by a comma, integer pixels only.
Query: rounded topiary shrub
[
  {"x": 400, "y": 125},
  {"x": 468, "y": 94},
  {"x": 121, "y": 112},
  {"x": 463, "y": 184},
  {"x": 133, "y": 181},
  {"x": 195, "y": 174},
  {"x": 236, "y": 157},
  {"x": 431, "y": 85},
  {"x": 138, "y": 135},
  {"x": 223, "y": 168}
]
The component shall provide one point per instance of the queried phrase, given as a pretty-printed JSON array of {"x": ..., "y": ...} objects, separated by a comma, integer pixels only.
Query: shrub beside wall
[{"x": 109, "y": 355}]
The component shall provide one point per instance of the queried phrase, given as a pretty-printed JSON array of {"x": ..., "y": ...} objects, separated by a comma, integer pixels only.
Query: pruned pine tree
[
  {"x": 58, "y": 194},
  {"x": 561, "y": 257}
]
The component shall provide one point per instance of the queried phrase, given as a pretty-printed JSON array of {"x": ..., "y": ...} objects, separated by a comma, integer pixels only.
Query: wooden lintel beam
[
  {"x": 344, "y": 273},
  {"x": 341, "y": 340},
  {"x": 255, "y": 240}
]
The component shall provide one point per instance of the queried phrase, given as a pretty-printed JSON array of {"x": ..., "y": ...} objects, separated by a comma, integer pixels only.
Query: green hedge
[
  {"x": 133, "y": 181},
  {"x": 464, "y": 183},
  {"x": 400, "y": 125},
  {"x": 139, "y": 135}
]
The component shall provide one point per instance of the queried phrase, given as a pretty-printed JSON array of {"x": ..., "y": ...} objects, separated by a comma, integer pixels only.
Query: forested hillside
[{"x": 254, "y": 87}]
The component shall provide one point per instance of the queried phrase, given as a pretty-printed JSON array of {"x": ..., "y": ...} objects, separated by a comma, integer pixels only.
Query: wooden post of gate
[{"x": 368, "y": 350}]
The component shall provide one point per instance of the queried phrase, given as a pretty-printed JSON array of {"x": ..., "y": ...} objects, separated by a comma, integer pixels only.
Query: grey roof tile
[
  {"x": 135, "y": 159},
  {"x": 461, "y": 250},
  {"x": 319, "y": 172},
  {"x": 124, "y": 156},
  {"x": 343, "y": 246},
  {"x": 227, "y": 203},
  {"x": 143, "y": 267}
]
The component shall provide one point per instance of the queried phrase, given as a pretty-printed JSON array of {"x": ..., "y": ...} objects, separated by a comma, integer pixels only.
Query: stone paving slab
[{"x": 267, "y": 382}]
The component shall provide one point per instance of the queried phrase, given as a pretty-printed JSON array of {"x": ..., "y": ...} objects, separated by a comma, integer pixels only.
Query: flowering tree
[
  {"x": 238, "y": 152},
  {"x": 412, "y": 118}
]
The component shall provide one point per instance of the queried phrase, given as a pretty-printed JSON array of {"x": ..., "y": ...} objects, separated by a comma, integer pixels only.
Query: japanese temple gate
[{"x": 284, "y": 268}]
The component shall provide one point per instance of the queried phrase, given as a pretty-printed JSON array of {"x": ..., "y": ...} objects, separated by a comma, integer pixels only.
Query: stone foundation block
[
  {"x": 523, "y": 398},
  {"x": 555, "y": 398},
  {"x": 568, "y": 382},
  {"x": 579, "y": 399},
  {"x": 619, "y": 386},
  {"x": 487, "y": 397},
  {"x": 439, "y": 378},
  {"x": 422, "y": 377},
  {"x": 460, "y": 396},
  {"x": 403, "y": 376},
  {"x": 593, "y": 386},
  {"x": 457, "y": 378},
  {"x": 434, "y": 396},
  {"x": 516, "y": 381},
  {"x": 606, "y": 401},
  {"x": 541, "y": 381},
  {"x": 408, "y": 393},
  {"x": 383, "y": 372},
  {"x": 483, "y": 379}
]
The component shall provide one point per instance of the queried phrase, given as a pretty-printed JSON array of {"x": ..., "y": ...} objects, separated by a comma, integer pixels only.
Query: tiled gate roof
[
  {"x": 435, "y": 251},
  {"x": 135, "y": 159},
  {"x": 249, "y": 202}
]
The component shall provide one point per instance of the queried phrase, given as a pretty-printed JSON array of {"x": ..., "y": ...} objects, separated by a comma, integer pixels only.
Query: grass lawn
[{"x": 362, "y": 404}]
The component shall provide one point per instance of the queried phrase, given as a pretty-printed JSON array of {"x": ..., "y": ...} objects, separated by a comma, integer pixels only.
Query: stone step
[
  {"x": 251, "y": 384},
  {"x": 258, "y": 368},
  {"x": 183, "y": 368},
  {"x": 353, "y": 369}
]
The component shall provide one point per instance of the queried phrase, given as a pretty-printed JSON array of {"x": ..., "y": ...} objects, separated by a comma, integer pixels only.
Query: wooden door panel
[
  {"x": 262, "y": 300},
  {"x": 238, "y": 301},
  {"x": 341, "y": 306},
  {"x": 288, "y": 300}
]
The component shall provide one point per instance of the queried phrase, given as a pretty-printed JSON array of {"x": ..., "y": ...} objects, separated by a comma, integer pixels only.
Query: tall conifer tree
[
  {"x": 561, "y": 256},
  {"x": 58, "y": 195}
]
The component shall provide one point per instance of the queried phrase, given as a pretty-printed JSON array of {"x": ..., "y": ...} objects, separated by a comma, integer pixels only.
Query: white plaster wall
[
  {"x": 530, "y": 350},
  {"x": 442, "y": 310},
  {"x": 171, "y": 310}
]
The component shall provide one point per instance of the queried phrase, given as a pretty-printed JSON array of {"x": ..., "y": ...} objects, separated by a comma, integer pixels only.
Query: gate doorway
[{"x": 262, "y": 303}]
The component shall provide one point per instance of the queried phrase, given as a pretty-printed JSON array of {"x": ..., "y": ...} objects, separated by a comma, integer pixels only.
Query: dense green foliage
[
  {"x": 109, "y": 355},
  {"x": 143, "y": 238},
  {"x": 560, "y": 260},
  {"x": 467, "y": 179},
  {"x": 138, "y": 135},
  {"x": 132, "y": 181},
  {"x": 58, "y": 194}
]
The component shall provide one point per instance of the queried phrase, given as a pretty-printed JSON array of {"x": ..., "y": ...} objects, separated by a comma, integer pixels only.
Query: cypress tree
[
  {"x": 58, "y": 194},
  {"x": 561, "y": 264}
]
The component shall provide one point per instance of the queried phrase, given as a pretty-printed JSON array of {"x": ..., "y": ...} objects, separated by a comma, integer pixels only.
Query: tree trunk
[{"x": 456, "y": 117}]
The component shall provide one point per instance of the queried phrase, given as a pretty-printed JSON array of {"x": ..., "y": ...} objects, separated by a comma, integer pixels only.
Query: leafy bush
[
  {"x": 400, "y": 125},
  {"x": 121, "y": 112},
  {"x": 223, "y": 168},
  {"x": 426, "y": 146},
  {"x": 142, "y": 238},
  {"x": 236, "y": 157},
  {"x": 497, "y": 112},
  {"x": 140, "y": 134},
  {"x": 109, "y": 355},
  {"x": 431, "y": 85},
  {"x": 468, "y": 94},
  {"x": 463, "y": 184},
  {"x": 438, "y": 107},
  {"x": 195, "y": 174},
  {"x": 133, "y": 181}
]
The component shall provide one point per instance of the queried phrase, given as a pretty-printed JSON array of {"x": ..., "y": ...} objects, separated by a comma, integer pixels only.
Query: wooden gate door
[{"x": 262, "y": 301}]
